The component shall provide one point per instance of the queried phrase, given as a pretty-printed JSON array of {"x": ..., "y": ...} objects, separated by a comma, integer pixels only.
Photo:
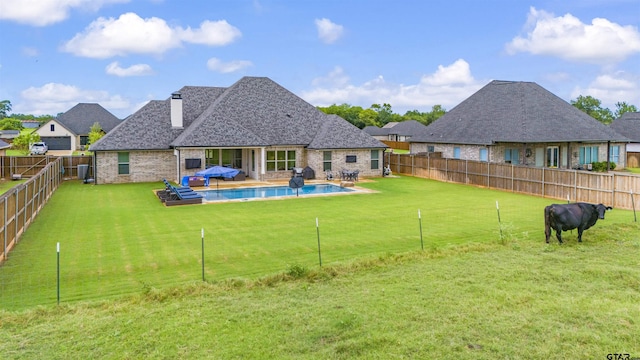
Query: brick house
[
  {"x": 628, "y": 124},
  {"x": 521, "y": 123},
  {"x": 254, "y": 125},
  {"x": 70, "y": 130}
]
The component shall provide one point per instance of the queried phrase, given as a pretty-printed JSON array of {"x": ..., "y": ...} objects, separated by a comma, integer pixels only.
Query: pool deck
[{"x": 256, "y": 183}]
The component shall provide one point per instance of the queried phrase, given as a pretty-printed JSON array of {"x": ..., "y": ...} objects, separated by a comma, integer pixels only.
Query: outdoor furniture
[
  {"x": 195, "y": 181},
  {"x": 296, "y": 172},
  {"x": 179, "y": 195},
  {"x": 308, "y": 173},
  {"x": 348, "y": 175},
  {"x": 240, "y": 176}
]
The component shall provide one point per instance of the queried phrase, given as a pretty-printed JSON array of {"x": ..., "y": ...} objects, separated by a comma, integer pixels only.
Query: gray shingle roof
[
  {"x": 404, "y": 128},
  {"x": 81, "y": 117},
  {"x": 375, "y": 131},
  {"x": 337, "y": 133},
  {"x": 255, "y": 111},
  {"x": 628, "y": 125},
  {"x": 518, "y": 112}
]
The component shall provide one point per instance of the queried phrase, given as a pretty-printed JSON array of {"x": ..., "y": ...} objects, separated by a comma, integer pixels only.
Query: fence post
[
  {"x": 613, "y": 190},
  {"x": 466, "y": 171},
  {"x": 5, "y": 228}
]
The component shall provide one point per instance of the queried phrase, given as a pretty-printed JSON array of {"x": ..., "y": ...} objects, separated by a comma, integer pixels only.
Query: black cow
[{"x": 563, "y": 217}]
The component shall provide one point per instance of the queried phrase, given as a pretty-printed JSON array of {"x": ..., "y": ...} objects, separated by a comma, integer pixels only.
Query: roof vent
[{"x": 176, "y": 110}]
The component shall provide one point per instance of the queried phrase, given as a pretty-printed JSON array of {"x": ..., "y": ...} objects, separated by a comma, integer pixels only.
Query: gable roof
[
  {"x": 4, "y": 145},
  {"x": 516, "y": 112},
  {"x": 81, "y": 117},
  {"x": 375, "y": 131},
  {"x": 403, "y": 128},
  {"x": 255, "y": 111},
  {"x": 628, "y": 125}
]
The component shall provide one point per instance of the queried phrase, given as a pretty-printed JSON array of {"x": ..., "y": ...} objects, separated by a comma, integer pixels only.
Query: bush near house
[{"x": 602, "y": 166}]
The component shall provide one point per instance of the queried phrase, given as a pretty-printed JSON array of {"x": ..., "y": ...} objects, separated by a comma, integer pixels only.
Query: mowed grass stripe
[{"x": 119, "y": 239}]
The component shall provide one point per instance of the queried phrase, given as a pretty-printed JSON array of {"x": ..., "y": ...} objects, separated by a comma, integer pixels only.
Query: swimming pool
[{"x": 271, "y": 192}]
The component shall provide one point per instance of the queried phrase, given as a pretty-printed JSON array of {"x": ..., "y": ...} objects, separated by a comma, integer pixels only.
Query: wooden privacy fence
[
  {"x": 401, "y": 145},
  {"x": 29, "y": 166},
  {"x": 614, "y": 188},
  {"x": 20, "y": 205}
]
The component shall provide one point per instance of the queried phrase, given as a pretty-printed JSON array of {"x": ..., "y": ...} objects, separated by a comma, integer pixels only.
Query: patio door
[{"x": 553, "y": 154}]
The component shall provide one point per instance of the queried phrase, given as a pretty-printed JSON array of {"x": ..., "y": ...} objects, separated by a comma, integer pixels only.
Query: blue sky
[{"x": 411, "y": 54}]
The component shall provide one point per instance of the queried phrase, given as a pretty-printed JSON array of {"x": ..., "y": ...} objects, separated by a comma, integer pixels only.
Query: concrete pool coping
[{"x": 224, "y": 185}]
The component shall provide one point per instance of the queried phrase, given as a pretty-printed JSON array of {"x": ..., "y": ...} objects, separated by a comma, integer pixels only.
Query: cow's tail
[{"x": 547, "y": 222}]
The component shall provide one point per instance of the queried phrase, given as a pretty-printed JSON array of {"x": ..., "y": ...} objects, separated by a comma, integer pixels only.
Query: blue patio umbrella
[{"x": 218, "y": 172}]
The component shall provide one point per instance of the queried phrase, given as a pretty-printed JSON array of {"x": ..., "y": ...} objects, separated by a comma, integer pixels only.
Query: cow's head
[{"x": 601, "y": 210}]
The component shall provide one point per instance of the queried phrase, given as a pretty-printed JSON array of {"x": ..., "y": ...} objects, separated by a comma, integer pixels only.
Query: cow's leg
[
  {"x": 580, "y": 234},
  {"x": 547, "y": 233},
  {"x": 559, "y": 236}
]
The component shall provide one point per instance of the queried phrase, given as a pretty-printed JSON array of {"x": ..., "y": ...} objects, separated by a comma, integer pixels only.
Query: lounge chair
[{"x": 181, "y": 195}]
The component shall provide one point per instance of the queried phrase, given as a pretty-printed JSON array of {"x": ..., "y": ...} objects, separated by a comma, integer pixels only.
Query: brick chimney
[{"x": 176, "y": 110}]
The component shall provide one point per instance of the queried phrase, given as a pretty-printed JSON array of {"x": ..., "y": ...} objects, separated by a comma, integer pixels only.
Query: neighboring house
[
  {"x": 520, "y": 122},
  {"x": 397, "y": 131},
  {"x": 629, "y": 125},
  {"x": 70, "y": 130},
  {"x": 30, "y": 124},
  {"x": 3, "y": 148},
  {"x": 254, "y": 125},
  {"x": 9, "y": 135}
]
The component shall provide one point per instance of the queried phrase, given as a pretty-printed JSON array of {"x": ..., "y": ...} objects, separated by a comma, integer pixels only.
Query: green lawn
[
  {"x": 119, "y": 239},
  {"x": 471, "y": 294}
]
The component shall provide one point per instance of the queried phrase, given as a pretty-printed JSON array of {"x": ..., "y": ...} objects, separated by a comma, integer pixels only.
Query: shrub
[{"x": 602, "y": 166}]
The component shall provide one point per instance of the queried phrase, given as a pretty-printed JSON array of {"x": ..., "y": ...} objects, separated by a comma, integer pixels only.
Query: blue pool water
[{"x": 270, "y": 192}]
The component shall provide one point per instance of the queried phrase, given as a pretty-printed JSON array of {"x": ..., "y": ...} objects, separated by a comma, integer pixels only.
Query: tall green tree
[
  {"x": 95, "y": 133},
  {"x": 22, "y": 142},
  {"x": 623, "y": 107},
  {"x": 11, "y": 124},
  {"x": 5, "y": 108},
  {"x": 593, "y": 108}
]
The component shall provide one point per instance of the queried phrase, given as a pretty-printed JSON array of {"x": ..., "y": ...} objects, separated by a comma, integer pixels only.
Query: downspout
[
  {"x": 609, "y": 155},
  {"x": 95, "y": 167},
  {"x": 263, "y": 163},
  {"x": 176, "y": 153}
]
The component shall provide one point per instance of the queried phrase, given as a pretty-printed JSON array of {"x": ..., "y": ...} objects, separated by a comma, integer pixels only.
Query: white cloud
[
  {"x": 134, "y": 70},
  {"x": 447, "y": 86},
  {"x": 612, "y": 88},
  {"x": 328, "y": 32},
  {"x": 54, "y": 98},
  {"x": 212, "y": 33},
  {"x": 46, "y": 12},
  {"x": 218, "y": 65},
  {"x": 566, "y": 37},
  {"x": 108, "y": 37}
]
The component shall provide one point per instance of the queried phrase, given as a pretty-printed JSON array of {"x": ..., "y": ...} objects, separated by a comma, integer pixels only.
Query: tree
[
  {"x": 345, "y": 111},
  {"x": 5, "y": 108},
  {"x": 11, "y": 124},
  {"x": 22, "y": 142},
  {"x": 623, "y": 107},
  {"x": 385, "y": 114},
  {"x": 95, "y": 133},
  {"x": 593, "y": 108},
  {"x": 425, "y": 118}
]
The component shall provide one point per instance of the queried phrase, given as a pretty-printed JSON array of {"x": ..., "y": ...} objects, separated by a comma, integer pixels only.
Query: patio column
[{"x": 263, "y": 161}]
